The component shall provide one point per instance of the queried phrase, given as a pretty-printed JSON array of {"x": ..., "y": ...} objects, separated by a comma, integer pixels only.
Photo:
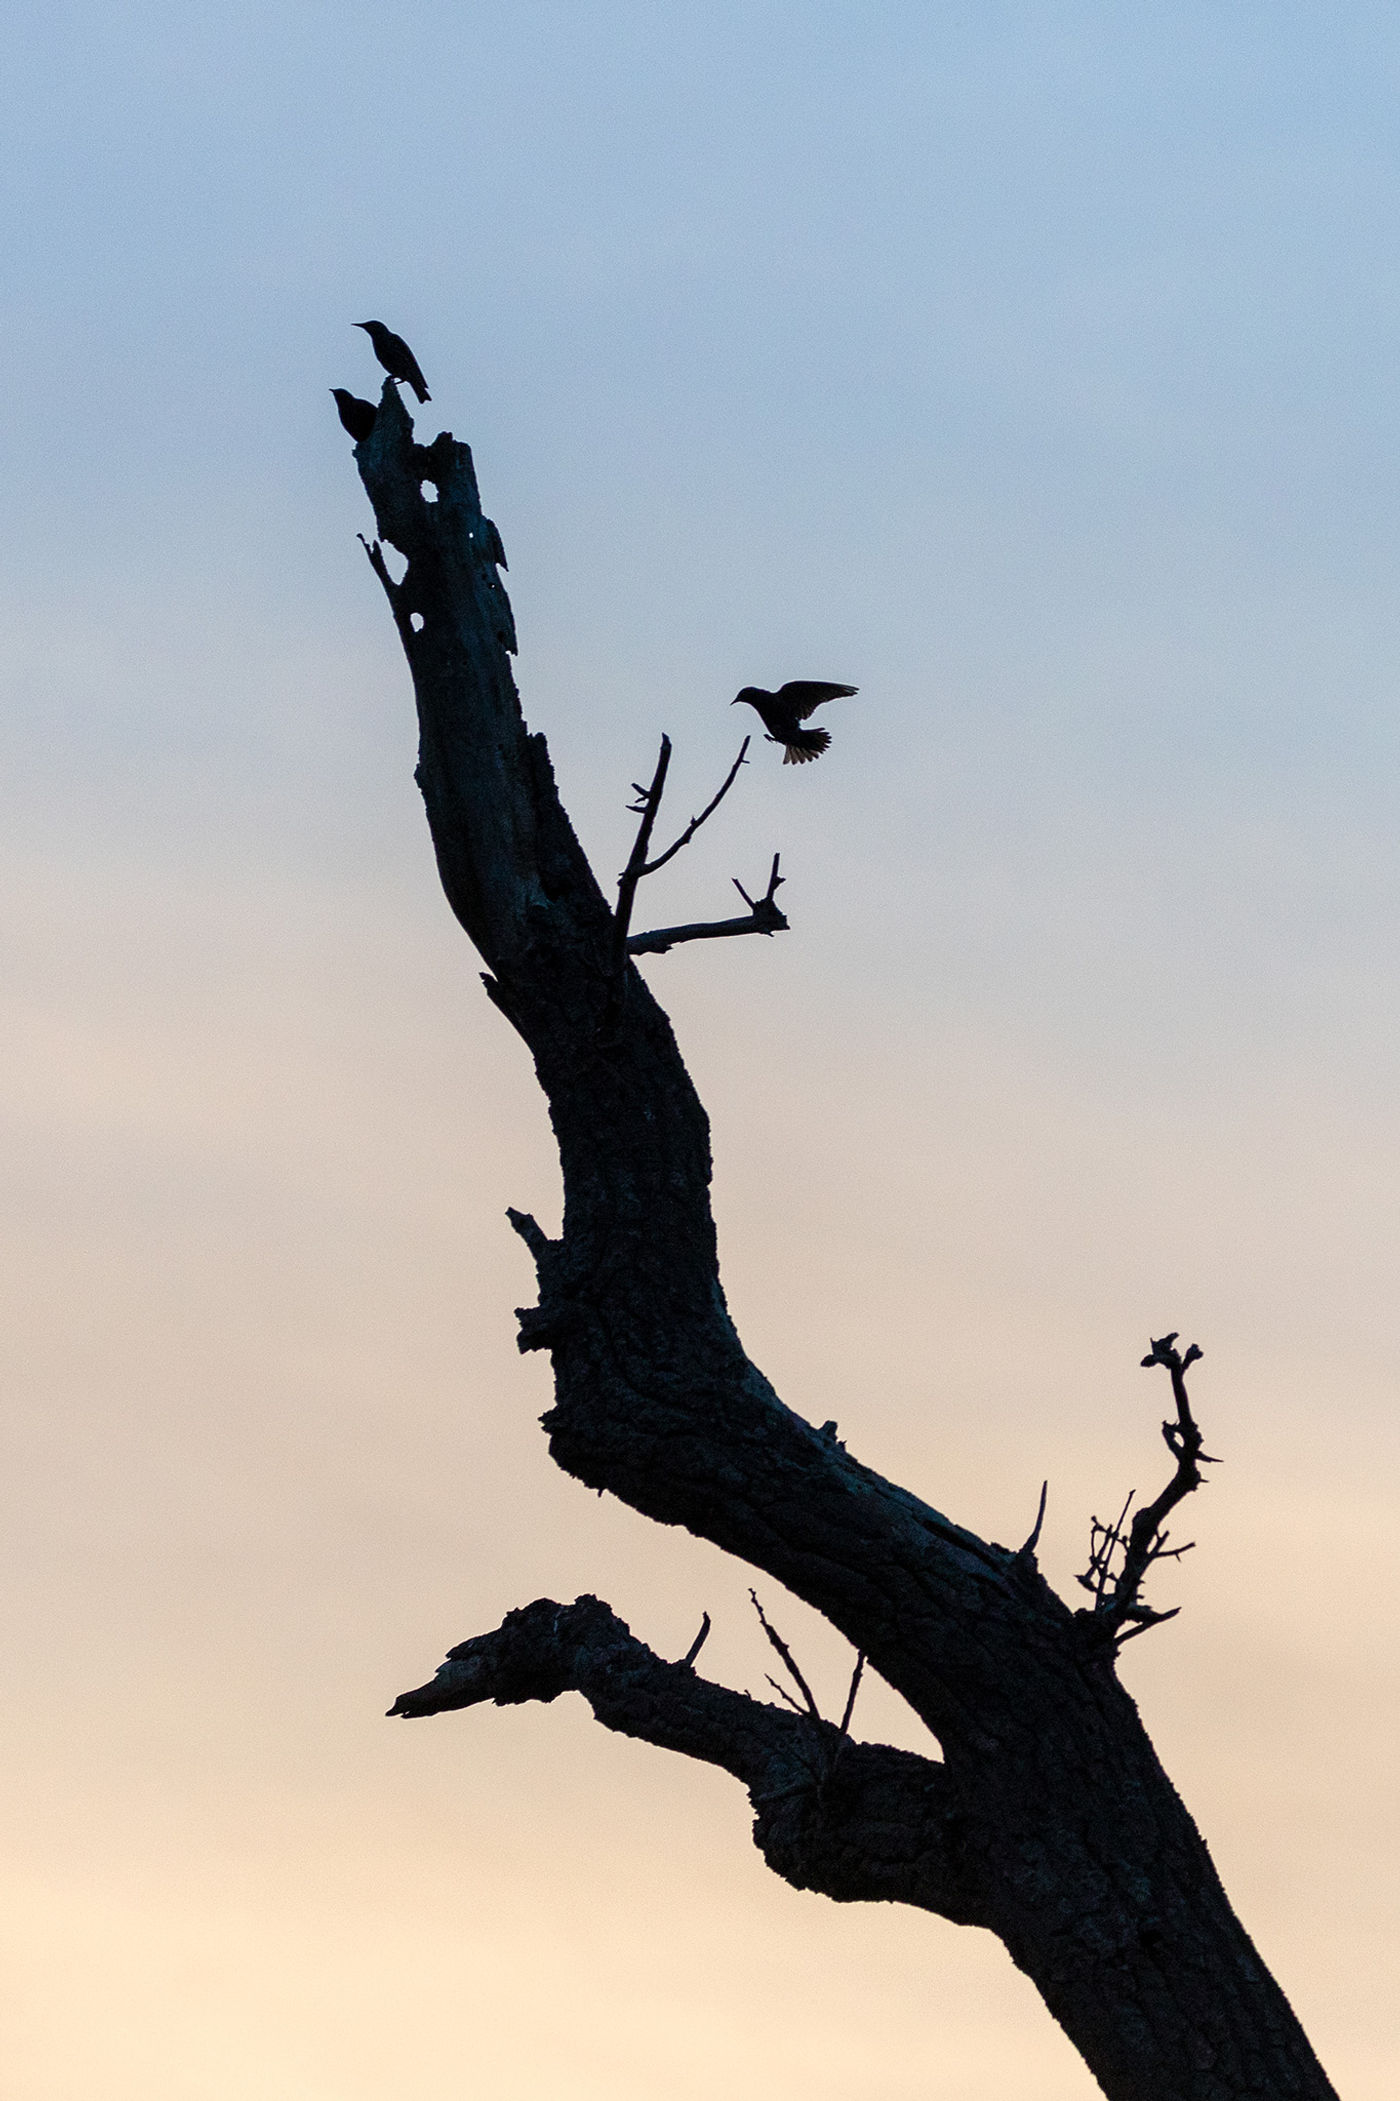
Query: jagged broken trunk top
[{"x": 1048, "y": 1819}]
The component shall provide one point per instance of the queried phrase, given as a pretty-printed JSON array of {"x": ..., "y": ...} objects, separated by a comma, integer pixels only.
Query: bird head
[
  {"x": 750, "y": 697},
  {"x": 368, "y": 326}
]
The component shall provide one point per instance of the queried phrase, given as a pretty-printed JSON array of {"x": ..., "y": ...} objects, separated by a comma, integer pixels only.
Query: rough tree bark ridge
[{"x": 1048, "y": 1820}]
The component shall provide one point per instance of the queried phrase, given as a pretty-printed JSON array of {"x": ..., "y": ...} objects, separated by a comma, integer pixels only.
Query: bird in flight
[
  {"x": 783, "y": 713},
  {"x": 395, "y": 356},
  {"x": 357, "y": 416}
]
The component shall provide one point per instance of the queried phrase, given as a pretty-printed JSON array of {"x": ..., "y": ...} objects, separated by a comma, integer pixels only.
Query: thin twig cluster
[
  {"x": 1121, "y": 1553},
  {"x": 808, "y": 1706}
]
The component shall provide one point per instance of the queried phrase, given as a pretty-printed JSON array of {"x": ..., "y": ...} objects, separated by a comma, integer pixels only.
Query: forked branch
[
  {"x": 709, "y": 810},
  {"x": 762, "y": 917}
]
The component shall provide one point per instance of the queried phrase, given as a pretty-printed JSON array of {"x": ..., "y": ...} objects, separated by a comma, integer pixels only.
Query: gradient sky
[{"x": 1032, "y": 367}]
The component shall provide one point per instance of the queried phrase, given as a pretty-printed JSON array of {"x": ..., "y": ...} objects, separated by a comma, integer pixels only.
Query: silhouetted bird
[
  {"x": 783, "y": 712},
  {"x": 395, "y": 356},
  {"x": 357, "y": 416}
]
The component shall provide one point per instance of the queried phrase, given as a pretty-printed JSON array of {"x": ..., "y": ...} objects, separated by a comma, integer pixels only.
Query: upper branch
[
  {"x": 763, "y": 916},
  {"x": 655, "y": 1399},
  {"x": 709, "y": 810},
  {"x": 854, "y": 1821}
]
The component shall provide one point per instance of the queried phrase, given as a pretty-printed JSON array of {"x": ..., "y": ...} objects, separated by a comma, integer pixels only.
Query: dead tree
[{"x": 1048, "y": 1819}]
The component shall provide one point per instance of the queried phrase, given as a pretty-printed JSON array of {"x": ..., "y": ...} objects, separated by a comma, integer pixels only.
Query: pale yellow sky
[{"x": 276, "y": 1451}]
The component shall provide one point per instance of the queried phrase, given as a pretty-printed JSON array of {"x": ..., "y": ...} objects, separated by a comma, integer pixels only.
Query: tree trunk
[{"x": 1048, "y": 1819}]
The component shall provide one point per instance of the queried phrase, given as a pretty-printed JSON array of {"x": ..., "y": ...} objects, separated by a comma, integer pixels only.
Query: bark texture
[{"x": 1048, "y": 1819}]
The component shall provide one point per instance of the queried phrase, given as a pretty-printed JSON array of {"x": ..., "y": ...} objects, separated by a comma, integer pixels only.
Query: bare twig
[
  {"x": 762, "y": 917},
  {"x": 1146, "y": 1620},
  {"x": 1110, "y": 1539},
  {"x": 774, "y": 879},
  {"x": 660, "y": 939},
  {"x": 788, "y": 1658},
  {"x": 632, "y": 874},
  {"x": 695, "y": 823},
  {"x": 1027, "y": 1551},
  {"x": 851, "y": 1695},
  {"x": 403, "y": 620},
  {"x": 1118, "y": 1611},
  {"x": 699, "y": 1642}
]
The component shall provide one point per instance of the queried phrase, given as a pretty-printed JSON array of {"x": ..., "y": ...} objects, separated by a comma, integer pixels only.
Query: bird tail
[
  {"x": 421, "y": 392},
  {"x": 802, "y": 745}
]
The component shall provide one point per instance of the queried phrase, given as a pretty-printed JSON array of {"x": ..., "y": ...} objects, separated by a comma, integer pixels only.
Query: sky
[{"x": 1032, "y": 368}]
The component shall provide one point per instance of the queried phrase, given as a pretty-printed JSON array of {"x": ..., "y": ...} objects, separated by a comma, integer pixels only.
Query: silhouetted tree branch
[
  {"x": 647, "y": 809},
  {"x": 763, "y": 916},
  {"x": 1048, "y": 1818},
  {"x": 1118, "y": 1612},
  {"x": 695, "y": 823},
  {"x": 853, "y": 1821}
]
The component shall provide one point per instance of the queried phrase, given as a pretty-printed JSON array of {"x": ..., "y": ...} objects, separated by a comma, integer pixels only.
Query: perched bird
[
  {"x": 782, "y": 714},
  {"x": 395, "y": 356},
  {"x": 357, "y": 416}
]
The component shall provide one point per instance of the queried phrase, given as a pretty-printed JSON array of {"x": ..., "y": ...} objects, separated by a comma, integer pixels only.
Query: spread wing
[{"x": 805, "y": 695}]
